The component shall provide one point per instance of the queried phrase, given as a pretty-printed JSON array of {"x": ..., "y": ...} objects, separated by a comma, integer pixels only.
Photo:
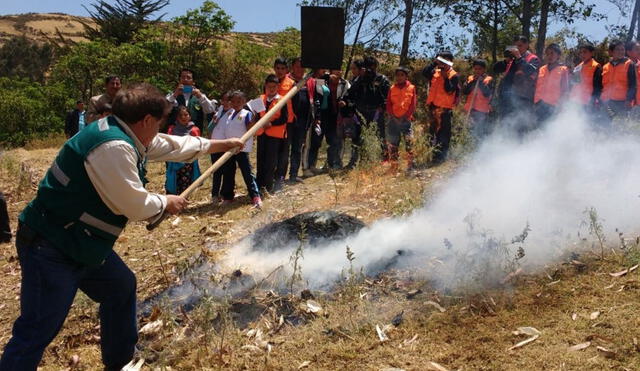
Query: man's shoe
[
  {"x": 307, "y": 173},
  {"x": 257, "y": 202},
  {"x": 226, "y": 202},
  {"x": 295, "y": 180},
  {"x": 278, "y": 186}
]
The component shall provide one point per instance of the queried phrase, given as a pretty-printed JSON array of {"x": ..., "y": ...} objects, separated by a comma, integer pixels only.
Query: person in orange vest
[
  {"x": 552, "y": 84},
  {"x": 401, "y": 105},
  {"x": 479, "y": 90},
  {"x": 285, "y": 83},
  {"x": 619, "y": 82},
  {"x": 272, "y": 138},
  {"x": 632, "y": 50},
  {"x": 586, "y": 80},
  {"x": 443, "y": 95}
]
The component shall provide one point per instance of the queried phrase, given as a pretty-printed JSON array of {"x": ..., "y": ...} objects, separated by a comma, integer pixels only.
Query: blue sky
[{"x": 265, "y": 16}]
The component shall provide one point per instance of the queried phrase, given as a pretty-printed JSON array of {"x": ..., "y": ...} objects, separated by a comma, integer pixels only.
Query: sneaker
[
  {"x": 257, "y": 202},
  {"x": 307, "y": 173}
]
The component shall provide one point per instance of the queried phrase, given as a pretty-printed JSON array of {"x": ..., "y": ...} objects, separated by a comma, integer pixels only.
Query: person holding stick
[
  {"x": 479, "y": 91},
  {"x": 66, "y": 235}
]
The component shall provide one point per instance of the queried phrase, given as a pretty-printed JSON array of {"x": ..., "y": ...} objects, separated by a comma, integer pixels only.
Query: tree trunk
[
  {"x": 408, "y": 19},
  {"x": 356, "y": 38},
  {"x": 494, "y": 32},
  {"x": 527, "y": 14},
  {"x": 542, "y": 28},
  {"x": 634, "y": 20}
]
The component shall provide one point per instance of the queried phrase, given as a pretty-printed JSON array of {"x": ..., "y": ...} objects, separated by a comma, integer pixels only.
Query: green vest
[{"x": 68, "y": 211}]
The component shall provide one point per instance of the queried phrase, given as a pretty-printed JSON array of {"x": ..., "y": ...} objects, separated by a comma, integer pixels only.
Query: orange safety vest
[
  {"x": 637, "y": 102},
  {"x": 549, "y": 84},
  {"x": 285, "y": 85},
  {"x": 437, "y": 95},
  {"x": 401, "y": 98},
  {"x": 480, "y": 103},
  {"x": 615, "y": 83},
  {"x": 278, "y": 131},
  {"x": 582, "y": 92}
]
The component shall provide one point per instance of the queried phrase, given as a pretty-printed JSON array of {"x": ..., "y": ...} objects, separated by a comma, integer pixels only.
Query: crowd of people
[{"x": 328, "y": 108}]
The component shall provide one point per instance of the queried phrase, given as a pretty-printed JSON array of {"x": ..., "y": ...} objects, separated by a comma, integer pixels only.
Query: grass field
[{"x": 570, "y": 304}]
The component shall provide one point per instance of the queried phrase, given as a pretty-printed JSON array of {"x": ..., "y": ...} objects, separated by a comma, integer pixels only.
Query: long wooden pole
[{"x": 227, "y": 155}]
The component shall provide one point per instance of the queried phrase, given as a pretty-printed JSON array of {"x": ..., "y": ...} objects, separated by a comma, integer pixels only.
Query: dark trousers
[
  {"x": 5, "y": 228},
  {"x": 329, "y": 132},
  {"x": 283, "y": 158},
  {"x": 217, "y": 176},
  {"x": 50, "y": 281},
  {"x": 296, "y": 135},
  {"x": 229, "y": 176},
  {"x": 480, "y": 124},
  {"x": 440, "y": 131},
  {"x": 543, "y": 112},
  {"x": 268, "y": 152}
]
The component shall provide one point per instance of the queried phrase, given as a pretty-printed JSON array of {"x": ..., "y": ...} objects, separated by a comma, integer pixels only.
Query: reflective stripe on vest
[
  {"x": 402, "y": 98},
  {"x": 581, "y": 92},
  {"x": 59, "y": 174},
  {"x": 549, "y": 84},
  {"x": 480, "y": 102},
  {"x": 100, "y": 224},
  {"x": 615, "y": 83},
  {"x": 438, "y": 96}
]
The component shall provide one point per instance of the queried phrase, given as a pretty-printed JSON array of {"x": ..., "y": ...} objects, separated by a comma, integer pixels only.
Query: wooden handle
[{"x": 227, "y": 155}]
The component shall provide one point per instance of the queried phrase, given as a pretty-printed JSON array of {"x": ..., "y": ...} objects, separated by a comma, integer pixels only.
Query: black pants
[
  {"x": 217, "y": 176},
  {"x": 329, "y": 132},
  {"x": 5, "y": 228},
  {"x": 49, "y": 283},
  {"x": 440, "y": 131},
  {"x": 268, "y": 152},
  {"x": 229, "y": 176},
  {"x": 543, "y": 113},
  {"x": 296, "y": 135}
]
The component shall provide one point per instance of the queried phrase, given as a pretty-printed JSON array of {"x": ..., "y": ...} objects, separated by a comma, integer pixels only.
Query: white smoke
[{"x": 547, "y": 181}]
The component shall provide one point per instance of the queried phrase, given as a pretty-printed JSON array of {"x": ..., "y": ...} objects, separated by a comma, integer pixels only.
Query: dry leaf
[
  {"x": 578, "y": 347},
  {"x": 75, "y": 359},
  {"x": 436, "y": 305},
  {"x": 594, "y": 315},
  {"x": 134, "y": 367},
  {"x": 381, "y": 335},
  {"x": 524, "y": 342},
  {"x": 436, "y": 367},
  {"x": 624, "y": 272},
  {"x": 176, "y": 222},
  {"x": 192, "y": 218},
  {"x": 152, "y": 328},
  {"x": 574, "y": 316},
  {"x": 531, "y": 331},
  {"x": 606, "y": 352},
  {"x": 312, "y": 306},
  {"x": 252, "y": 348},
  {"x": 304, "y": 364}
]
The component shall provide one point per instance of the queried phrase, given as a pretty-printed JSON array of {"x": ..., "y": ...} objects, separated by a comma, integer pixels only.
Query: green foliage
[
  {"x": 119, "y": 21},
  {"x": 30, "y": 110},
  {"x": 23, "y": 58}
]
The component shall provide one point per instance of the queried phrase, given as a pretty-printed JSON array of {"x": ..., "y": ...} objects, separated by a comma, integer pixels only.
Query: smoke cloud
[{"x": 546, "y": 181}]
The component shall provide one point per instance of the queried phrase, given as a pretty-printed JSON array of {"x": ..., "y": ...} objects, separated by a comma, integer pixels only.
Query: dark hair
[
  {"x": 271, "y": 78},
  {"x": 479, "y": 62},
  {"x": 186, "y": 70},
  {"x": 358, "y": 63},
  {"x": 369, "y": 62},
  {"x": 237, "y": 93},
  {"x": 104, "y": 109},
  {"x": 79, "y": 101},
  {"x": 227, "y": 94},
  {"x": 588, "y": 46},
  {"x": 403, "y": 69},
  {"x": 134, "y": 103},
  {"x": 181, "y": 108},
  {"x": 110, "y": 78},
  {"x": 630, "y": 44},
  {"x": 446, "y": 54},
  {"x": 295, "y": 60},
  {"x": 614, "y": 44},
  {"x": 554, "y": 47},
  {"x": 521, "y": 38},
  {"x": 280, "y": 61}
]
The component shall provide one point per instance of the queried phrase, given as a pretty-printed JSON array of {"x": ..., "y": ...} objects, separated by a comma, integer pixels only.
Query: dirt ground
[{"x": 570, "y": 304}]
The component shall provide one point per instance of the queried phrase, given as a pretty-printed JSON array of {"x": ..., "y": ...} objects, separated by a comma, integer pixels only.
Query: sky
[{"x": 265, "y": 16}]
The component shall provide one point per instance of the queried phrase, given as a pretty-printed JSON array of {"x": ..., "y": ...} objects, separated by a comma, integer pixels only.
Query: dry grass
[{"x": 473, "y": 333}]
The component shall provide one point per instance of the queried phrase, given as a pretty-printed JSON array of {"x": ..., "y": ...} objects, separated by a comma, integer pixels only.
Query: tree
[
  {"x": 23, "y": 58},
  {"x": 198, "y": 28},
  {"x": 119, "y": 21}
]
